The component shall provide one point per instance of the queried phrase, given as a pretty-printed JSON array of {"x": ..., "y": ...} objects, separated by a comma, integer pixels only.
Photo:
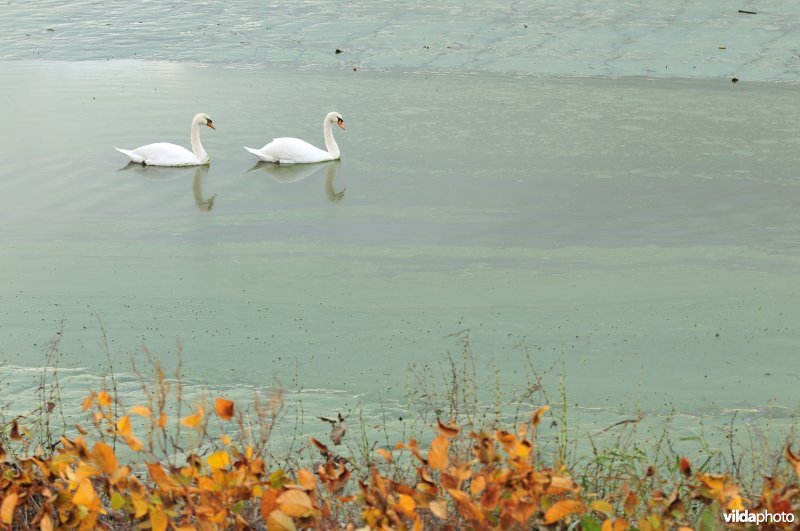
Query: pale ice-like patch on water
[{"x": 654, "y": 38}]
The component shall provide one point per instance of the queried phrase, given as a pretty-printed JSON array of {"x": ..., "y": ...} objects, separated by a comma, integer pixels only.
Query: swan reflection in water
[
  {"x": 292, "y": 173},
  {"x": 202, "y": 203}
]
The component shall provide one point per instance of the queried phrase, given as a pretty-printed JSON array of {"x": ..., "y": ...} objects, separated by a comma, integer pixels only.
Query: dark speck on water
[{"x": 338, "y": 51}]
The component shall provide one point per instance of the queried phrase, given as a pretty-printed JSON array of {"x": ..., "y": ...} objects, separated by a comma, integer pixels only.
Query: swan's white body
[
  {"x": 295, "y": 151},
  {"x": 166, "y": 154}
]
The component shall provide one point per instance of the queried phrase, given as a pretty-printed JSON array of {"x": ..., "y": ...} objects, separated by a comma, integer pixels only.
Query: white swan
[
  {"x": 166, "y": 154},
  {"x": 296, "y": 151}
]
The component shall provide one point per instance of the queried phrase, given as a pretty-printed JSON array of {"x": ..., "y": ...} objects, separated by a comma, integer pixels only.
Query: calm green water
[{"x": 639, "y": 236}]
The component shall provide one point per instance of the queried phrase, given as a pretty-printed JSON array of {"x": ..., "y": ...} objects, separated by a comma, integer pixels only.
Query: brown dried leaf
[
  {"x": 631, "y": 501},
  {"x": 685, "y": 467},
  {"x": 224, "y": 408},
  {"x": 279, "y": 521},
  {"x": 537, "y": 415},
  {"x": 793, "y": 459},
  {"x": 439, "y": 508},
  {"x": 448, "y": 430}
]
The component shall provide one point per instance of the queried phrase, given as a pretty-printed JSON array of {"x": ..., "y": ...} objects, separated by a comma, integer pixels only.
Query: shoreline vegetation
[{"x": 174, "y": 462}]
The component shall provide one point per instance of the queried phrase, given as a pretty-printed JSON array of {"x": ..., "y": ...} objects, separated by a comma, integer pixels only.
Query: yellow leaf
[
  {"x": 104, "y": 399},
  {"x": 218, "y": 460},
  {"x": 124, "y": 425},
  {"x": 139, "y": 505},
  {"x": 162, "y": 421},
  {"x": 437, "y": 455},
  {"x": 103, "y": 456},
  {"x": 226, "y": 439},
  {"x": 158, "y": 520},
  {"x": 7, "y": 508},
  {"x": 224, "y": 408},
  {"x": 85, "y": 493},
  {"x": 562, "y": 509},
  {"x": 279, "y": 521},
  {"x": 439, "y": 508},
  {"x": 142, "y": 411},
  {"x": 601, "y": 506},
  {"x": 192, "y": 421}
]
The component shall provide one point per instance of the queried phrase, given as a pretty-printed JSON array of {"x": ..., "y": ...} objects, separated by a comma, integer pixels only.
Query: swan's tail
[
  {"x": 135, "y": 157},
  {"x": 261, "y": 156}
]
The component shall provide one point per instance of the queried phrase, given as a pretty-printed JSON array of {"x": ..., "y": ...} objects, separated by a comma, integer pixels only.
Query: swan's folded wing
[{"x": 135, "y": 157}]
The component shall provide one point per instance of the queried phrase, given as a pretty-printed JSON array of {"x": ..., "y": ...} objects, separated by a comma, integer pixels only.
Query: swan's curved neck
[
  {"x": 197, "y": 147},
  {"x": 330, "y": 142}
]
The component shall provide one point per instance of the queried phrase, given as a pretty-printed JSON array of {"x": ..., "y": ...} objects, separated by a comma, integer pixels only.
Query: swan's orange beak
[
  {"x": 340, "y": 122},
  {"x": 211, "y": 125}
]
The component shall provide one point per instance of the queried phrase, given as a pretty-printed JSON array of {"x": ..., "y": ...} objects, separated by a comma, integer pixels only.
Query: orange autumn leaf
[
  {"x": 406, "y": 505},
  {"x": 142, "y": 411},
  {"x": 194, "y": 420},
  {"x": 562, "y": 509},
  {"x": 477, "y": 485},
  {"x": 162, "y": 421},
  {"x": 124, "y": 425},
  {"x": 386, "y": 454},
  {"x": 537, "y": 415},
  {"x": 85, "y": 493},
  {"x": 160, "y": 477},
  {"x": 295, "y": 503},
  {"x": 133, "y": 442},
  {"x": 306, "y": 479},
  {"x": 269, "y": 501},
  {"x": 448, "y": 430},
  {"x": 437, "y": 455},
  {"x": 158, "y": 519},
  {"x": 104, "y": 399},
  {"x": 615, "y": 524},
  {"x": 224, "y": 408},
  {"x": 7, "y": 508},
  {"x": 89, "y": 400},
  {"x": 103, "y": 456},
  {"x": 631, "y": 501}
]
